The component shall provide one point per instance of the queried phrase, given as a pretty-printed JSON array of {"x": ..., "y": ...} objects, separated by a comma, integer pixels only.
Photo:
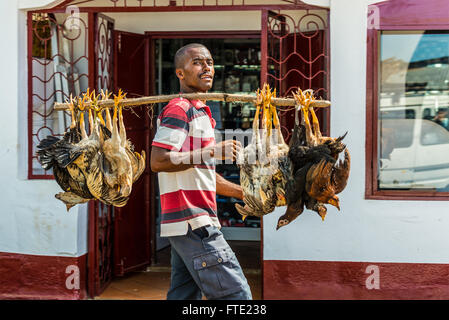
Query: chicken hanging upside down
[
  {"x": 317, "y": 175},
  {"x": 101, "y": 165},
  {"x": 260, "y": 176},
  {"x": 54, "y": 154}
]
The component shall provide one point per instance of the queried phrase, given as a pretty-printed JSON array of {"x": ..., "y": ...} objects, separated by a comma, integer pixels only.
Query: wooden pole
[{"x": 196, "y": 96}]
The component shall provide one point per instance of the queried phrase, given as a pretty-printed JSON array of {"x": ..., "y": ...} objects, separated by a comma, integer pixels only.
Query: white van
[{"x": 414, "y": 151}]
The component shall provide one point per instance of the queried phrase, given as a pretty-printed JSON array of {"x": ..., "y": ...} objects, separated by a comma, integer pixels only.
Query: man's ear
[{"x": 180, "y": 74}]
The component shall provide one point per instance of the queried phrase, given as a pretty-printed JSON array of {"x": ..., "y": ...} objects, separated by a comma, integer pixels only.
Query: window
[
  {"x": 57, "y": 67},
  {"x": 407, "y": 110}
]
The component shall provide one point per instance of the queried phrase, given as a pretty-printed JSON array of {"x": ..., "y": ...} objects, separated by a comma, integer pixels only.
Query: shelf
[{"x": 239, "y": 66}]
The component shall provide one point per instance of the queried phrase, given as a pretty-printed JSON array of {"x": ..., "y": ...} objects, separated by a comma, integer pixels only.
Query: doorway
[
  {"x": 243, "y": 61},
  {"x": 237, "y": 70}
]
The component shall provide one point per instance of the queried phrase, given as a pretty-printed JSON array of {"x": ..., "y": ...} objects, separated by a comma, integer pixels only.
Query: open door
[{"x": 132, "y": 233}]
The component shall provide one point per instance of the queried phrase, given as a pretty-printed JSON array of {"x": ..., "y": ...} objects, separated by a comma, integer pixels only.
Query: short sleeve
[{"x": 172, "y": 128}]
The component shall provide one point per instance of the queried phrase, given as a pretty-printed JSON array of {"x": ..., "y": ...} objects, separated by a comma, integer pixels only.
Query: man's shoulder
[{"x": 178, "y": 104}]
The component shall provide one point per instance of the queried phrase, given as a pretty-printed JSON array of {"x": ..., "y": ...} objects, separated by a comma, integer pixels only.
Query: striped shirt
[{"x": 189, "y": 196}]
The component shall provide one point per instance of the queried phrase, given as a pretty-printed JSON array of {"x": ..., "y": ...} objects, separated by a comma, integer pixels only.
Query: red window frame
[{"x": 394, "y": 15}]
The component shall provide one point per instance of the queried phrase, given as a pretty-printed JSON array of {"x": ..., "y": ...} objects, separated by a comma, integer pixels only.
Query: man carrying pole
[{"x": 184, "y": 153}]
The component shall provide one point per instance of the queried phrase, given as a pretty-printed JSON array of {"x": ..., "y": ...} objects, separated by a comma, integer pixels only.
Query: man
[
  {"x": 441, "y": 118},
  {"x": 184, "y": 153}
]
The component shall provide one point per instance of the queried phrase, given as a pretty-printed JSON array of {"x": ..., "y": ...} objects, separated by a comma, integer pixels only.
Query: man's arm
[
  {"x": 164, "y": 160},
  {"x": 228, "y": 189}
]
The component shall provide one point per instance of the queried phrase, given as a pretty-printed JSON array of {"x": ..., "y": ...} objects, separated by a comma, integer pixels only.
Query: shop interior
[{"x": 237, "y": 70}]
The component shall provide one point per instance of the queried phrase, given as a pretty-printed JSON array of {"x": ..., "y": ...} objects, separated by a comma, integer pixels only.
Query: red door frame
[{"x": 95, "y": 285}]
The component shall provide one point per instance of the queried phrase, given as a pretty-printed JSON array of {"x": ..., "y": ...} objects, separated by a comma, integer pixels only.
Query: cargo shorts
[{"x": 203, "y": 263}]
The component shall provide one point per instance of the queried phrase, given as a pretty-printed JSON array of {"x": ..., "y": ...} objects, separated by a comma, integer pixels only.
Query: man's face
[{"x": 198, "y": 71}]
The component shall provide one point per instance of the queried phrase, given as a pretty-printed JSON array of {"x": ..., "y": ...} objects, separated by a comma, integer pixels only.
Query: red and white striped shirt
[{"x": 189, "y": 196}]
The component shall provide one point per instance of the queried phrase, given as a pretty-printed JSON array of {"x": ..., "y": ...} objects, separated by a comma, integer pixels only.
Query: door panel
[
  {"x": 101, "y": 216},
  {"x": 132, "y": 223}
]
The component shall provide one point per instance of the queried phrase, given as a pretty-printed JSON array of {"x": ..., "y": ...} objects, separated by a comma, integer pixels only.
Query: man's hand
[{"x": 227, "y": 150}]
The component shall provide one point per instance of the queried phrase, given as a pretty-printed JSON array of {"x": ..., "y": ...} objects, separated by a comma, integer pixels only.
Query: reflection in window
[{"x": 413, "y": 110}]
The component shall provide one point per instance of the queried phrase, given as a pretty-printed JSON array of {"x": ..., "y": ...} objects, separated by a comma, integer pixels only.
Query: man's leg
[
  {"x": 182, "y": 285},
  {"x": 212, "y": 264},
  {"x": 232, "y": 283}
]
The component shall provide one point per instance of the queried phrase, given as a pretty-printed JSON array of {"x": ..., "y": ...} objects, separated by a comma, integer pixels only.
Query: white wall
[
  {"x": 186, "y": 21},
  {"x": 32, "y": 221},
  {"x": 364, "y": 230}
]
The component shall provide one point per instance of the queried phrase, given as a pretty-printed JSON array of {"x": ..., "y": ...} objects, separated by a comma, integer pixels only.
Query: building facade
[{"x": 389, "y": 239}]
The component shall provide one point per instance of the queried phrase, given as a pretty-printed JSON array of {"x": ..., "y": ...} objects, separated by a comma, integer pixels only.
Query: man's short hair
[{"x": 179, "y": 56}]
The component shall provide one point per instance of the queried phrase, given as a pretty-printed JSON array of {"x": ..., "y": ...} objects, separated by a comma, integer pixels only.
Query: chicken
[
  {"x": 317, "y": 176},
  {"x": 302, "y": 158},
  {"x": 326, "y": 179},
  {"x": 117, "y": 167},
  {"x": 261, "y": 178},
  {"x": 102, "y": 165},
  {"x": 85, "y": 155},
  {"x": 137, "y": 160},
  {"x": 54, "y": 153}
]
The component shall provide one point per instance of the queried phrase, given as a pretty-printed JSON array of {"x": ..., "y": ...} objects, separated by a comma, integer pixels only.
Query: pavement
[{"x": 153, "y": 283}]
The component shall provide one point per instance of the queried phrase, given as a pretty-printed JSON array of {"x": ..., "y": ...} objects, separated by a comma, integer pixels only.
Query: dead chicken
[
  {"x": 53, "y": 154},
  {"x": 86, "y": 153},
  {"x": 260, "y": 177},
  {"x": 137, "y": 160},
  {"x": 317, "y": 176},
  {"x": 101, "y": 165},
  {"x": 117, "y": 166},
  {"x": 325, "y": 179}
]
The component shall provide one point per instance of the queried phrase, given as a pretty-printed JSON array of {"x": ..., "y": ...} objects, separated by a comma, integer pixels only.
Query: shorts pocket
[{"x": 219, "y": 273}]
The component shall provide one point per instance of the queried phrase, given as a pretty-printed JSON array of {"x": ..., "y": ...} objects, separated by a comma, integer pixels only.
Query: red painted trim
[
  {"x": 27, "y": 276},
  {"x": 295, "y": 280},
  {"x": 264, "y": 48},
  {"x": 115, "y": 35},
  {"x": 150, "y": 89},
  {"x": 241, "y": 34},
  {"x": 188, "y": 8},
  {"x": 150, "y": 124},
  {"x": 92, "y": 274},
  {"x": 92, "y": 26},
  {"x": 413, "y": 14},
  {"x": 328, "y": 111},
  {"x": 369, "y": 114},
  {"x": 30, "y": 93}
]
